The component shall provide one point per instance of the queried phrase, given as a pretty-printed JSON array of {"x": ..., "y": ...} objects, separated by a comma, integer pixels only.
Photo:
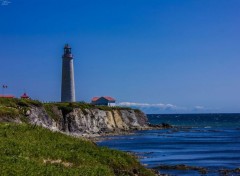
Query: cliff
[{"x": 73, "y": 118}]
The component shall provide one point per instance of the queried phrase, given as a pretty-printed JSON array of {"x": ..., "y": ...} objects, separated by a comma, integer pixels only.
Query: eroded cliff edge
[
  {"x": 74, "y": 118},
  {"x": 88, "y": 121}
]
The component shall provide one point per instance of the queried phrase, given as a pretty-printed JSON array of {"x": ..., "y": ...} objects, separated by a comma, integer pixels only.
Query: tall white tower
[{"x": 68, "y": 85}]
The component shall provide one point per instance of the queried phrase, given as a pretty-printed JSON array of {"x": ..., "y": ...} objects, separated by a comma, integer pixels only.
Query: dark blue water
[{"x": 211, "y": 141}]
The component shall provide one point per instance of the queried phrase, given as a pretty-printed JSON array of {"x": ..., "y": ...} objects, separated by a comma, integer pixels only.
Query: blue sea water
[{"x": 211, "y": 141}]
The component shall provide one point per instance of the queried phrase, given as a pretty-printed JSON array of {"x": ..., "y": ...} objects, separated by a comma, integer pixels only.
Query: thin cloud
[
  {"x": 205, "y": 109},
  {"x": 5, "y": 2},
  {"x": 166, "y": 108},
  {"x": 148, "y": 105},
  {"x": 199, "y": 107}
]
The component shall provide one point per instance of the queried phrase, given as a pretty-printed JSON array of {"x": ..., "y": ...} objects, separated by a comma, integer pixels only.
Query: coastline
[
  {"x": 211, "y": 148},
  {"x": 95, "y": 124},
  {"x": 174, "y": 169},
  {"x": 76, "y": 119},
  {"x": 79, "y": 120}
]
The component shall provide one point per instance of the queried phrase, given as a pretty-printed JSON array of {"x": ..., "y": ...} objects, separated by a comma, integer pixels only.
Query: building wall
[
  {"x": 103, "y": 101},
  {"x": 112, "y": 104}
]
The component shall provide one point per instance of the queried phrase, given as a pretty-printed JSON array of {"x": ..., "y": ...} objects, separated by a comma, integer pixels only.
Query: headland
[{"x": 35, "y": 141}]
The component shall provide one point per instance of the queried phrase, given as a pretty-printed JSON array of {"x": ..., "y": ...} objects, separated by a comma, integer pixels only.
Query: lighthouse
[{"x": 68, "y": 85}]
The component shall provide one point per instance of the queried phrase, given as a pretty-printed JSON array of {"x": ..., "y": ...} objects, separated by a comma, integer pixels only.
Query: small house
[
  {"x": 106, "y": 101},
  {"x": 7, "y": 96},
  {"x": 25, "y": 96}
]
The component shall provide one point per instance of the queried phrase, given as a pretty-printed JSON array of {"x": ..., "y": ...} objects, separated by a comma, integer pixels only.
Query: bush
[{"x": 8, "y": 112}]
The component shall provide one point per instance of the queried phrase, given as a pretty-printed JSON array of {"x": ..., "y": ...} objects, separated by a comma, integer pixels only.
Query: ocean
[{"x": 209, "y": 141}]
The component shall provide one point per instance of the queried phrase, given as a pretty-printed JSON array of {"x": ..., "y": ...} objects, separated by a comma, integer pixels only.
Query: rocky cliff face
[{"x": 87, "y": 121}]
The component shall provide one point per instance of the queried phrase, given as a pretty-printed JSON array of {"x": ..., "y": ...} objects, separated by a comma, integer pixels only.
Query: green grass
[
  {"x": 13, "y": 108},
  {"x": 83, "y": 105},
  {"x": 15, "y": 102},
  {"x": 8, "y": 112},
  {"x": 32, "y": 150}
]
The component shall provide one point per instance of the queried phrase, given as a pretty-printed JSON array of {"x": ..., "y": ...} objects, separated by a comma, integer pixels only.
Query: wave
[{"x": 208, "y": 127}]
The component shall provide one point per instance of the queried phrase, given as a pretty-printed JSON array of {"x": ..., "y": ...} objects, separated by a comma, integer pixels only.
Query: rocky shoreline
[
  {"x": 107, "y": 136},
  {"x": 170, "y": 170},
  {"x": 200, "y": 170}
]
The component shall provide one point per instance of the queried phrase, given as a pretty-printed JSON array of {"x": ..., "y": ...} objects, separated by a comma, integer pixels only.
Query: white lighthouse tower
[{"x": 68, "y": 85}]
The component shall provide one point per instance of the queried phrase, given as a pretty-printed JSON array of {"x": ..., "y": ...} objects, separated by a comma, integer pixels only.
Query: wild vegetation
[
  {"x": 83, "y": 105},
  {"x": 68, "y": 107},
  {"x": 15, "y": 102},
  {"x": 12, "y": 108},
  {"x": 32, "y": 150}
]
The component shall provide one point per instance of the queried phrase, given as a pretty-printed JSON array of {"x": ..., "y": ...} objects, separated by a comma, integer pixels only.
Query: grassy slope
[
  {"x": 31, "y": 150},
  {"x": 23, "y": 149}
]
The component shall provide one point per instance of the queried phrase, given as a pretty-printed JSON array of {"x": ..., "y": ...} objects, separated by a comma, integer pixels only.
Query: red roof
[
  {"x": 24, "y": 96},
  {"x": 6, "y": 96},
  {"x": 106, "y": 97},
  {"x": 95, "y": 98},
  {"x": 109, "y": 98}
]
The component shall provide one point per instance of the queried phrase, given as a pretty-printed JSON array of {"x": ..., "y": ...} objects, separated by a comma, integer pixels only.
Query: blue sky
[{"x": 164, "y": 56}]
